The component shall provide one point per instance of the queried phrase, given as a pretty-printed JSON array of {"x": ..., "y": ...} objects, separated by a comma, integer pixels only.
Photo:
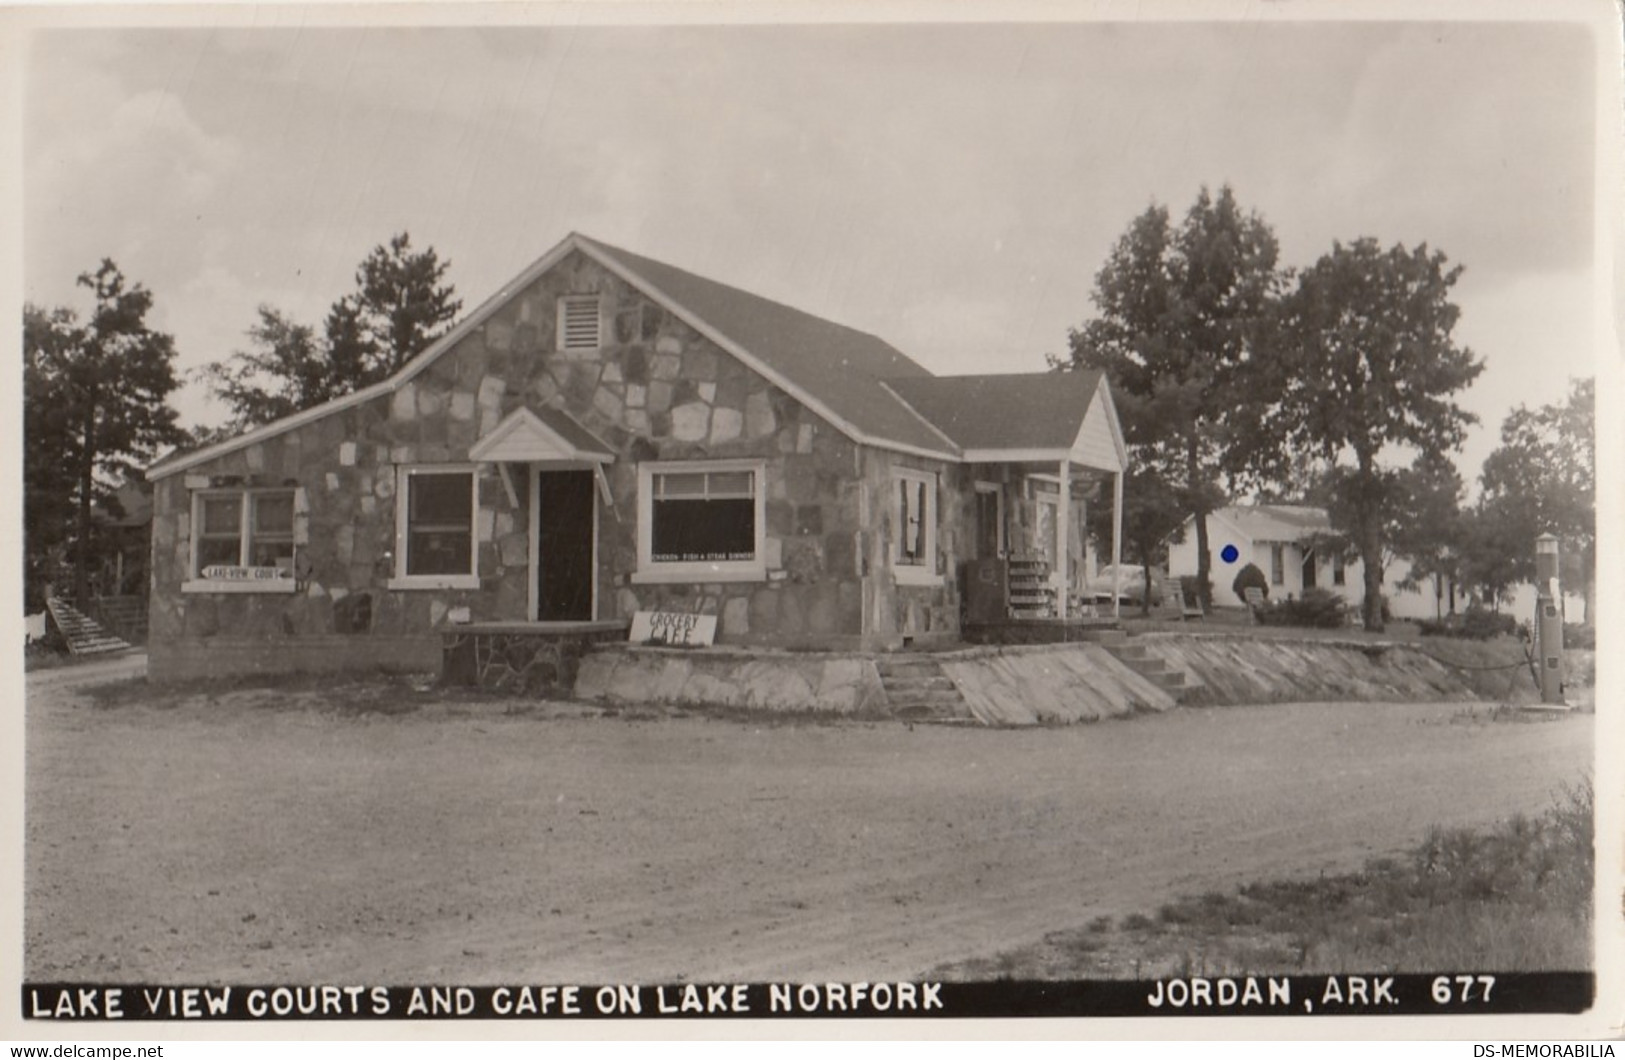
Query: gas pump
[{"x": 1548, "y": 620}]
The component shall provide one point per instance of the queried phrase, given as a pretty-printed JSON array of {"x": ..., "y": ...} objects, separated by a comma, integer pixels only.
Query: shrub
[
  {"x": 1477, "y": 623},
  {"x": 1319, "y": 608},
  {"x": 1577, "y": 635},
  {"x": 1250, "y": 577}
]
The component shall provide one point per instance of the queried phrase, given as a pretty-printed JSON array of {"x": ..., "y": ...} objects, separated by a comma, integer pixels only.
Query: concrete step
[
  {"x": 933, "y": 701},
  {"x": 906, "y": 666},
  {"x": 938, "y": 682},
  {"x": 1170, "y": 680}
]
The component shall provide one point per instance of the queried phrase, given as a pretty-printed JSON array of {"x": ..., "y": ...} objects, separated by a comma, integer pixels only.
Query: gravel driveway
[{"x": 257, "y": 838}]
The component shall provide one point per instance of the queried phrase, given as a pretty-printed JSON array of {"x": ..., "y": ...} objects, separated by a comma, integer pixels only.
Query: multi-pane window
[
  {"x": 1277, "y": 564},
  {"x": 702, "y": 516},
  {"x": 579, "y": 322},
  {"x": 238, "y": 529},
  {"x": 439, "y": 535}
]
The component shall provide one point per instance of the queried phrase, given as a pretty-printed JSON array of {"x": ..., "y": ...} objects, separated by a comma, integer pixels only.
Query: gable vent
[{"x": 578, "y": 322}]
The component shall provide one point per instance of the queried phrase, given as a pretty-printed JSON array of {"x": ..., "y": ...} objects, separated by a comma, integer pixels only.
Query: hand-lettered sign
[
  {"x": 673, "y": 627},
  {"x": 224, "y": 573}
]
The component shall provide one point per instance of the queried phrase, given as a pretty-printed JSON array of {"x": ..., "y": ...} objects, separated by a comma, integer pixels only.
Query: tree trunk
[
  {"x": 1371, "y": 556},
  {"x": 1145, "y": 600}
]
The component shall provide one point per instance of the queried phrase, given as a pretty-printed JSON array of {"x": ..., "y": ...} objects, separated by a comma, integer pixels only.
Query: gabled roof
[
  {"x": 838, "y": 372},
  {"x": 1277, "y": 522},
  {"x": 1034, "y": 410},
  {"x": 544, "y": 434},
  {"x": 825, "y": 364}
]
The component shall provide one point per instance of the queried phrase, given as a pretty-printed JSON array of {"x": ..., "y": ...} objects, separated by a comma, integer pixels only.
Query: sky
[{"x": 952, "y": 188}]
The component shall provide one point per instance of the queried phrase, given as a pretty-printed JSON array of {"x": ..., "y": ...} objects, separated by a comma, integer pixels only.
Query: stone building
[{"x": 606, "y": 435}]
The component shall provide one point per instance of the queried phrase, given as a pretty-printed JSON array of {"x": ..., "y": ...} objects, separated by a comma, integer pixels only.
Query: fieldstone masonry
[{"x": 657, "y": 389}]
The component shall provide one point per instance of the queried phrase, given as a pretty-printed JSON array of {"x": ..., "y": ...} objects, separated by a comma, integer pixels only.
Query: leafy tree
[
  {"x": 286, "y": 370},
  {"x": 1363, "y": 365},
  {"x": 95, "y": 408},
  {"x": 1425, "y": 525},
  {"x": 1493, "y": 537},
  {"x": 399, "y": 307},
  {"x": 1180, "y": 313},
  {"x": 1153, "y": 514},
  {"x": 1542, "y": 479}
]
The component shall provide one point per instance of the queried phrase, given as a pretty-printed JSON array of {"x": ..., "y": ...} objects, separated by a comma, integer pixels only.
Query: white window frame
[
  {"x": 1277, "y": 563},
  {"x": 924, "y": 572},
  {"x": 564, "y": 306},
  {"x": 651, "y": 573},
  {"x": 196, "y": 583},
  {"x": 403, "y": 478}
]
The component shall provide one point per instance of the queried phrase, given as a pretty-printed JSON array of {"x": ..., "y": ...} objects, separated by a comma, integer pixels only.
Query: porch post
[
  {"x": 1063, "y": 555},
  {"x": 1117, "y": 538}
]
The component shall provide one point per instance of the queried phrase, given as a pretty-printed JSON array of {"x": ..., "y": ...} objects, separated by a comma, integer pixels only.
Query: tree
[
  {"x": 399, "y": 307},
  {"x": 1180, "y": 313},
  {"x": 286, "y": 370},
  {"x": 1542, "y": 479},
  {"x": 1425, "y": 526},
  {"x": 1153, "y": 513},
  {"x": 1363, "y": 364},
  {"x": 95, "y": 408},
  {"x": 401, "y": 303}
]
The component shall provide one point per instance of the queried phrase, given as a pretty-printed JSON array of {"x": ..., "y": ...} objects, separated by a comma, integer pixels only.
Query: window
[
  {"x": 701, "y": 521},
  {"x": 915, "y": 503},
  {"x": 435, "y": 528},
  {"x": 579, "y": 322},
  {"x": 1339, "y": 577},
  {"x": 243, "y": 541},
  {"x": 1277, "y": 564}
]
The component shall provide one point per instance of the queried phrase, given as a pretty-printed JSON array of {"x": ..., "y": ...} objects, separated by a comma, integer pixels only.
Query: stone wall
[{"x": 656, "y": 390}]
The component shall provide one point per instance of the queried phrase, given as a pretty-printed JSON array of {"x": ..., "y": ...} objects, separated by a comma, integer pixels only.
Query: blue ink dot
[{"x": 1230, "y": 554}]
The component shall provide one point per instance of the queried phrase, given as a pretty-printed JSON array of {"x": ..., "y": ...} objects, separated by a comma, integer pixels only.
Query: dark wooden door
[{"x": 564, "y": 546}]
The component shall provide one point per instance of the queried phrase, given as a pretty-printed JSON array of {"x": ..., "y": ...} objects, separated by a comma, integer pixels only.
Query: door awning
[{"x": 526, "y": 435}]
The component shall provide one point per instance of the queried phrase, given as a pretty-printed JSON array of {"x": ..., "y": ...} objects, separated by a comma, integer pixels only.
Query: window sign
[
  {"x": 244, "y": 535},
  {"x": 703, "y": 517}
]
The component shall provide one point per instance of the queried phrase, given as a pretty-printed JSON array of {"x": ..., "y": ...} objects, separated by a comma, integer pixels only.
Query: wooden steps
[
  {"x": 918, "y": 690},
  {"x": 122, "y": 616},
  {"x": 85, "y": 636}
]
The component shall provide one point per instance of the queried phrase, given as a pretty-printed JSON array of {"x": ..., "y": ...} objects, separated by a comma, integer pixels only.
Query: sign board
[
  {"x": 676, "y": 628},
  {"x": 224, "y": 573}
]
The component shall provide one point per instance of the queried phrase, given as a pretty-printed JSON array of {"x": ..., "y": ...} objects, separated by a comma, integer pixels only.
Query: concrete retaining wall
[
  {"x": 1049, "y": 684},
  {"x": 784, "y": 682},
  {"x": 1042, "y": 685},
  {"x": 1225, "y": 670}
]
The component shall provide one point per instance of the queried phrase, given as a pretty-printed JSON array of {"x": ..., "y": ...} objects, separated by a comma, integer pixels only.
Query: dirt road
[{"x": 255, "y": 839}]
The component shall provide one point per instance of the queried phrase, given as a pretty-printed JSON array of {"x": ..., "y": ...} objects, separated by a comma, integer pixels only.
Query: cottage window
[
  {"x": 435, "y": 528},
  {"x": 701, "y": 521},
  {"x": 579, "y": 322},
  {"x": 915, "y": 549},
  {"x": 243, "y": 541},
  {"x": 1277, "y": 564},
  {"x": 1339, "y": 575}
]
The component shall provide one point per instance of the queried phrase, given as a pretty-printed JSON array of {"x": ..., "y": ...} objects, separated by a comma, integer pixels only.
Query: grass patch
[{"x": 1514, "y": 898}]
